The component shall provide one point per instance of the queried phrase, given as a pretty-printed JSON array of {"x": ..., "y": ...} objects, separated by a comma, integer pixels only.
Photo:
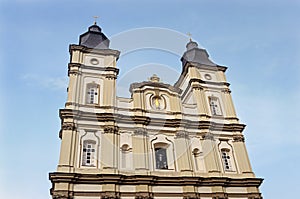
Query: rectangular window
[
  {"x": 226, "y": 160},
  {"x": 215, "y": 106},
  {"x": 88, "y": 154},
  {"x": 92, "y": 94},
  {"x": 161, "y": 158}
]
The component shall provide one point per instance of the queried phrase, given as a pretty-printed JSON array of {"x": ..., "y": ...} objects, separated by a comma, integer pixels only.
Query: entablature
[{"x": 145, "y": 120}]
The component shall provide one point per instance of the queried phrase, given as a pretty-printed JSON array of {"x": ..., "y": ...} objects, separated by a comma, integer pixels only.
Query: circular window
[
  {"x": 94, "y": 61},
  {"x": 207, "y": 76}
]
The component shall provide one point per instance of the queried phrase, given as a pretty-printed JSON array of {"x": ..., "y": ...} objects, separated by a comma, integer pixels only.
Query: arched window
[
  {"x": 92, "y": 93},
  {"x": 88, "y": 153},
  {"x": 196, "y": 155},
  {"x": 225, "y": 154},
  {"x": 161, "y": 160},
  {"x": 214, "y": 106}
]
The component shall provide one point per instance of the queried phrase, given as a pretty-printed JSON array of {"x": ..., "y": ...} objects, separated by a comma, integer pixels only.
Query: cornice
[
  {"x": 199, "y": 66},
  {"x": 144, "y": 120},
  {"x": 74, "y": 67},
  {"x": 59, "y": 177},
  {"x": 105, "y": 52},
  {"x": 208, "y": 82},
  {"x": 140, "y": 85}
]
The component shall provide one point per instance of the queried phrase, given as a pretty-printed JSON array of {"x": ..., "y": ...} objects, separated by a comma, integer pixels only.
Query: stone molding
[
  {"x": 197, "y": 87},
  {"x": 144, "y": 120},
  {"x": 111, "y": 76},
  {"x": 209, "y": 83},
  {"x": 226, "y": 90},
  {"x": 73, "y": 68},
  {"x": 140, "y": 85},
  {"x": 182, "y": 134},
  {"x": 208, "y": 136},
  {"x": 61, "y": 194},
  {"x": 68, "y": 126},
  {"x": 74, "y": 47},
  {"x": 151, "y": 180},
  {"x": 238, "y": 138},
  {"x": 198, "y": 66},
  {"x": 110, "y": 195},
  {"x": 143, "y": 197},
  {"x": 140, "y": 131},
  {"x": 111, "y": 129}
]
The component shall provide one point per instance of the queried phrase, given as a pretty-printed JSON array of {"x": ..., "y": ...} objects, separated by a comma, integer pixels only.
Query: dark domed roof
[
  {"x": 196, "y": 55},
  {"x": 94, "y": 38}
]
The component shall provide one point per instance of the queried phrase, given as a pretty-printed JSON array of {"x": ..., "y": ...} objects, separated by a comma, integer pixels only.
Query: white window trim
[
  {"x": 217, "y": 106},
  {"x": 89, "y": 152},
  {"x": 96, "y": 91}
]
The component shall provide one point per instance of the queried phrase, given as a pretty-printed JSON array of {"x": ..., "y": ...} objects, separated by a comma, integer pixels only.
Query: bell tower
[{"x": 90, "y": 105}]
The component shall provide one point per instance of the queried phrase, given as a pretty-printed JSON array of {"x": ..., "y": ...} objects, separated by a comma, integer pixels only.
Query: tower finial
[
  {"x": 95, "y": 17},
  {"x": 190, "y": 36}
]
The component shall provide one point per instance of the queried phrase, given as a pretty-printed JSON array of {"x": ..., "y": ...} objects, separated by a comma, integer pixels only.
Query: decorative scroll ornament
[
  {"x": 143, "y": 197},
  {"x": 110, "y": 76},
  {"x": 182, "y": 134},
  {"x": 238, "y": 138},
  {"x": 208, "y": 136},
  {"x": 110, "y": 196},
  {"x": 140, "y": 131},
  {"x": 68, "y": 126},
  {"x": 111, "y": 129},
  {"x": 62, "y": 196},
  {"x": 226, "y": 90},
  {"x": 191, "y": 197}
]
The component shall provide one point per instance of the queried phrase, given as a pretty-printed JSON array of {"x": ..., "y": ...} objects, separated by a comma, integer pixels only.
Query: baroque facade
[{"x": 166, "y": 141}]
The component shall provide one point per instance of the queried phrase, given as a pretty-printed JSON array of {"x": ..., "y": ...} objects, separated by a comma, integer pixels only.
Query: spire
[{"x": 94, "y": 38}]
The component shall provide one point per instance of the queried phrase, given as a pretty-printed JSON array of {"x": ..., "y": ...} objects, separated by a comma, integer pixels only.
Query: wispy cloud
[{"x": 54, "y": 83}]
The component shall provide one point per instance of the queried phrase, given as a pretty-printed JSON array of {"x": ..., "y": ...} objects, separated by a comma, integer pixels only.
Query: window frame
[
  {"x": 213, "y": 107},
  {"x": 226, "y": 159},
  {"x": 95, "y": 98},
  {"x": 164, "y": 149},
  {"x": 89, "y": 153}
]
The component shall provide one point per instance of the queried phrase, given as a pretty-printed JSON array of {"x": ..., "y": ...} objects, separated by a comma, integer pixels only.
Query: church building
[{"x": 181, "y": 141}]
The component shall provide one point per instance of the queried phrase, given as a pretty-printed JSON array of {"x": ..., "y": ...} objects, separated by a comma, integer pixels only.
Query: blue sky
[{"x": 258, "y": 40}]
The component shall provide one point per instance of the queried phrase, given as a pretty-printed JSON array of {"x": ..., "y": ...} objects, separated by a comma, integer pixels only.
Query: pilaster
[
  {"x": 140, "y": 148},
  {"x": 183, "y": 152},
  {"x": 109, "y": 149}
]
